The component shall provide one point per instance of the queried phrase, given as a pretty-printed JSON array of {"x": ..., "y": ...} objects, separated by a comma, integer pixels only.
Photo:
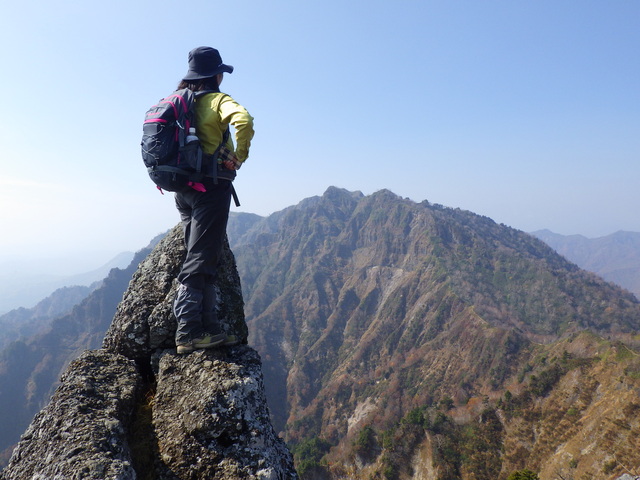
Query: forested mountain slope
[{"x": 384, "y": 325}]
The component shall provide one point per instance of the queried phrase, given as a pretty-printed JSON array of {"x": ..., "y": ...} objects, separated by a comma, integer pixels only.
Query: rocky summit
[{"x": 134, "y": 409}]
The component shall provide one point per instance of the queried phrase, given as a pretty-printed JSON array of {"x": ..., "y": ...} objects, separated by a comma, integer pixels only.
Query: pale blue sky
[{"x": 524, "y": 111}]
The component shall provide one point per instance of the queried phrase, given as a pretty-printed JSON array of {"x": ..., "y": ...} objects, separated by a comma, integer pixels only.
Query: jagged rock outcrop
[
  {"x": 135, "y": 409},
  {"x": 211, "y": 419},
  {"x": 82, "y": 433},
  {"x": 143, "y": 321}
]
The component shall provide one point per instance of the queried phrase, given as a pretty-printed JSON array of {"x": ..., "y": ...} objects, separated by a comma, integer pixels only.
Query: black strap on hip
[{"x": 235, "y": 196}]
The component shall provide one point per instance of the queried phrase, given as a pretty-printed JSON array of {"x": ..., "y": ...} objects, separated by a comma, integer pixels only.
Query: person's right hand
[{"x": 232, "y": 164}]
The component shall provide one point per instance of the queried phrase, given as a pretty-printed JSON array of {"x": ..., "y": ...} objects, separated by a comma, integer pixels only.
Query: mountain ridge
[
  {"x": 24, "y": 322},
  {"x": 366, "y": 308},
  {"x": 410, "y": 340}
]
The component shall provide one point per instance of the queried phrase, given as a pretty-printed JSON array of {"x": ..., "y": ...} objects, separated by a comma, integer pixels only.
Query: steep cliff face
[{"x": 135, "y": 409}]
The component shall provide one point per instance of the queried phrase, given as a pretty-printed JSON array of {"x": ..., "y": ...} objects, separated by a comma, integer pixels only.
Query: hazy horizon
[{"x": 83, "y": 261}]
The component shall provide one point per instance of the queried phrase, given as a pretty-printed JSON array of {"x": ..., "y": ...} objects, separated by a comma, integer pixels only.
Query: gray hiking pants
[{"x": 204, "y": 218}]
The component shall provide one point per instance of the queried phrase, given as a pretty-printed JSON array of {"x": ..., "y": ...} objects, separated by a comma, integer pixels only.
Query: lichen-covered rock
[
  {"x": 82, "y": 433},
  {"x": 136, "y": 409},
  {"x": 144, "y": 320},
  {"x": 211, "y": 418}
]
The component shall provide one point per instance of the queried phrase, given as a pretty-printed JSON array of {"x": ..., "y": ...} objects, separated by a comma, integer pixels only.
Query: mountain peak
[
  {"x": 337, "y": 192},
  {"x": 369, "y": 308}
]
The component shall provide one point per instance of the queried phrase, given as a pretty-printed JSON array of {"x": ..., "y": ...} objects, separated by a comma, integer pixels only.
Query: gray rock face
[
  {"x": 224, "y": 423},
  {"x": 144, "y": 321},
  {"x": 136, "y": 410},
  {"x": 82, "y": 433}
]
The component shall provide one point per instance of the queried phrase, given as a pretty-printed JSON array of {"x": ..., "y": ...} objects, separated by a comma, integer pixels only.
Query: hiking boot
[
  {"x": 207, "y": 340},
  {"x": 230, "y": 341}
]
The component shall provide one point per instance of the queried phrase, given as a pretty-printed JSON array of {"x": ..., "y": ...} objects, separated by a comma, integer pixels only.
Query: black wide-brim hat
[{"x": 205, "y": 62}]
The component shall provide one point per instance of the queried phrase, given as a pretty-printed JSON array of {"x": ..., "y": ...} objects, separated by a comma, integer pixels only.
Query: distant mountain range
[
  {"x": 27, "y": 322},
  {"x": 410, "y": 340},
  {"x": 615, "y": 257},
  {"x": 21, "y": 289}
]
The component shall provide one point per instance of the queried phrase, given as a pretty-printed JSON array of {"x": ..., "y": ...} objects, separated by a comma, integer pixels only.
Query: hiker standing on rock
[{"x": 204, "y": 209}]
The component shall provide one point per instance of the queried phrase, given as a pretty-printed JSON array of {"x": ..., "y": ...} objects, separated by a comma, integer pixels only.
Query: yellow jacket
[{"x": 214, "y": 112}]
